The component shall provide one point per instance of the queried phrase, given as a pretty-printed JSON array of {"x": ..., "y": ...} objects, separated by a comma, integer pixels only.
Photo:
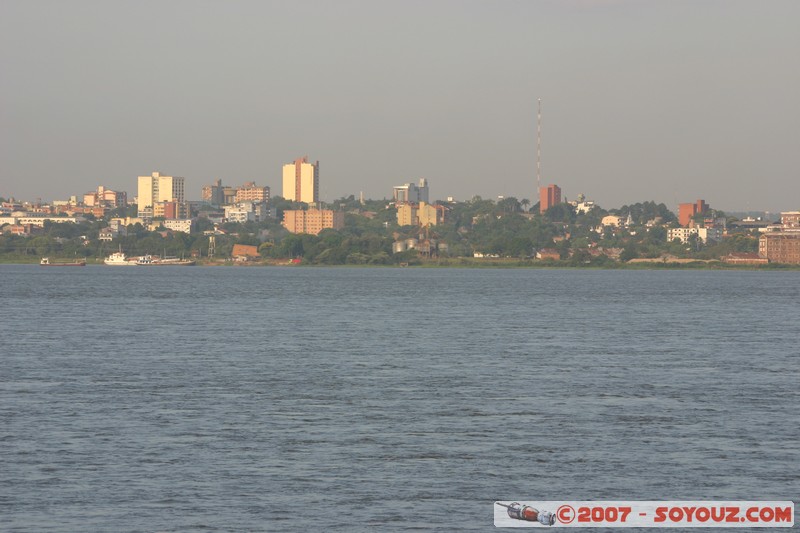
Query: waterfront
[{"x": 348, "y": 399}]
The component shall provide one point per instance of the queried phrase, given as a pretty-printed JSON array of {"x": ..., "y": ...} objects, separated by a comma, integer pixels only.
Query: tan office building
[{"x": 301, "y": 181}]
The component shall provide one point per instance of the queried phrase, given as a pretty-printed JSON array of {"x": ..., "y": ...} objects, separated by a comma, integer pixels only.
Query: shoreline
[{"x": 470, "y": 263}]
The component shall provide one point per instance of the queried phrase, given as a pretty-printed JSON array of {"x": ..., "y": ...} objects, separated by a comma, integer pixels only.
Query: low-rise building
[
  {"x": 240, "y": 215},
  {"x": 244, "y": 252},
  {"x": 127, "y": 221},
  {"x": 613, "y": 221},
  {"x": 741, "y": 258},
  {"x": 108, "y": 234},
  {"x": 22, "y": 229},
  {"x": 39, "y": 220},
  {"x": 548, "y": 253},
  {"x": 582, "y": 205}
]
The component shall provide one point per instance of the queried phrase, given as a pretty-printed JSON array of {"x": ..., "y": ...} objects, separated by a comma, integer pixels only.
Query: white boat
[{"x": 119, "y": 259}]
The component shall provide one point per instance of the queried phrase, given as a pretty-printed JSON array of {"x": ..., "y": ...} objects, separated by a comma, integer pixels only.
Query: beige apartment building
[
  {"x": 301, "y": 181},
  {"x": 422, "y": 214},
  {"x": 249, "y": 192},
  {"x": 312, "y": 221}
]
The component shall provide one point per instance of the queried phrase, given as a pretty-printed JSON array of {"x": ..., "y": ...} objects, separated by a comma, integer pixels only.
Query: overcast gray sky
[{"x": 642, "y": 100}]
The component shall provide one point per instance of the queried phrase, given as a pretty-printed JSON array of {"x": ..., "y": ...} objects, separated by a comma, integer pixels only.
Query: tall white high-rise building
[
  {"x": 301, "y": 181},
  {"x": 157, "y": 188}
]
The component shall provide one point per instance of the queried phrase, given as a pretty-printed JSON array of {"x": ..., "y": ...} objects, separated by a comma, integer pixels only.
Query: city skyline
[{"x": 661, "y": 101}]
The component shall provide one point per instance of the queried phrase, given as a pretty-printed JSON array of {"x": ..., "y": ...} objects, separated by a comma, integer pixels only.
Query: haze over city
[{"x": 664, "y": 101}]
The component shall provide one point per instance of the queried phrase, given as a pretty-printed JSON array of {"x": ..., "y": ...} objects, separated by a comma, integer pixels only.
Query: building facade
[
  {"x": 407, "y": 215},
  {"x": 213, "y": 194},
  {"x": 703, "y": 234},
  {"x": 422, "y": 214},
  {"x": 410, "y": 193},
  {"x": 790, "y": 220},
  {"x": 548, "y": 197},
  {"x": 301, "y": 181},
  {"x": 24, "y": 219},
  {"x": 170, "y": 210},
  {"x": 106, "y": 198},
  {"x": 181, "y": 225},
  {"x": 312, "y": 221},
  {"x": 780, "y": 247},
  {"x": 247, "y": 211},
  {"x": 157, "y": 188},
  {"x": 782, "y": 244},
  {"x": 430, "y": 215},
  {"x": 249, "y": 192}
]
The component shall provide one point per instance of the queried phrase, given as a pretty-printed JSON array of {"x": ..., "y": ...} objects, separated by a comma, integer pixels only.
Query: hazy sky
[{"x": 642, "y": 100}]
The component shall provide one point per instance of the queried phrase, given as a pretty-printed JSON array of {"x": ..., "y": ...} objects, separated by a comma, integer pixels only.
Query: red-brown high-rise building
[
  {"x": 548, "y": 197},
  {"x": 687, "y": 211}
]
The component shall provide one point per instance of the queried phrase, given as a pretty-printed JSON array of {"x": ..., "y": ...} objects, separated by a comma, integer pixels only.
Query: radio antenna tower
[{"x": 539, "y": 147}]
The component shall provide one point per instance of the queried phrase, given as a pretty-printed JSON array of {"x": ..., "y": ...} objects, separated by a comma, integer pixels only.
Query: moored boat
[
  {"x": 119, "y": 259},
  {"x": 76, "y": 263},
  {"x": 148, "y": 260}
]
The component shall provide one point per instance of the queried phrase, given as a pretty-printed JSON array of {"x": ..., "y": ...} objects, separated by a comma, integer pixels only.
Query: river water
[{"x": 356, "y": 399}]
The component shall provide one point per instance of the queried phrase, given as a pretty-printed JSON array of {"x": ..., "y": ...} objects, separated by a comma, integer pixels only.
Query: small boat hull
[{"x": 77, "y": 263}]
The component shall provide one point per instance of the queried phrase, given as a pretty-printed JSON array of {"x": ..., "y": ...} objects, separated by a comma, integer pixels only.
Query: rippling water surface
[{"x": 337, "y": 399}]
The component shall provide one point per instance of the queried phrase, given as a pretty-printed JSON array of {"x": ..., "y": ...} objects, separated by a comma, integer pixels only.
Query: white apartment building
[
  {"x": 704, "y": 234},
  {"x": 184, "y": 225}
]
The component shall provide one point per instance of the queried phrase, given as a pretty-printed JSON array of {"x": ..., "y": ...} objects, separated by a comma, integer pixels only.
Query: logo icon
[
  {"x": 565, "y": 514},
  {"x": 529, "y": 514}
]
